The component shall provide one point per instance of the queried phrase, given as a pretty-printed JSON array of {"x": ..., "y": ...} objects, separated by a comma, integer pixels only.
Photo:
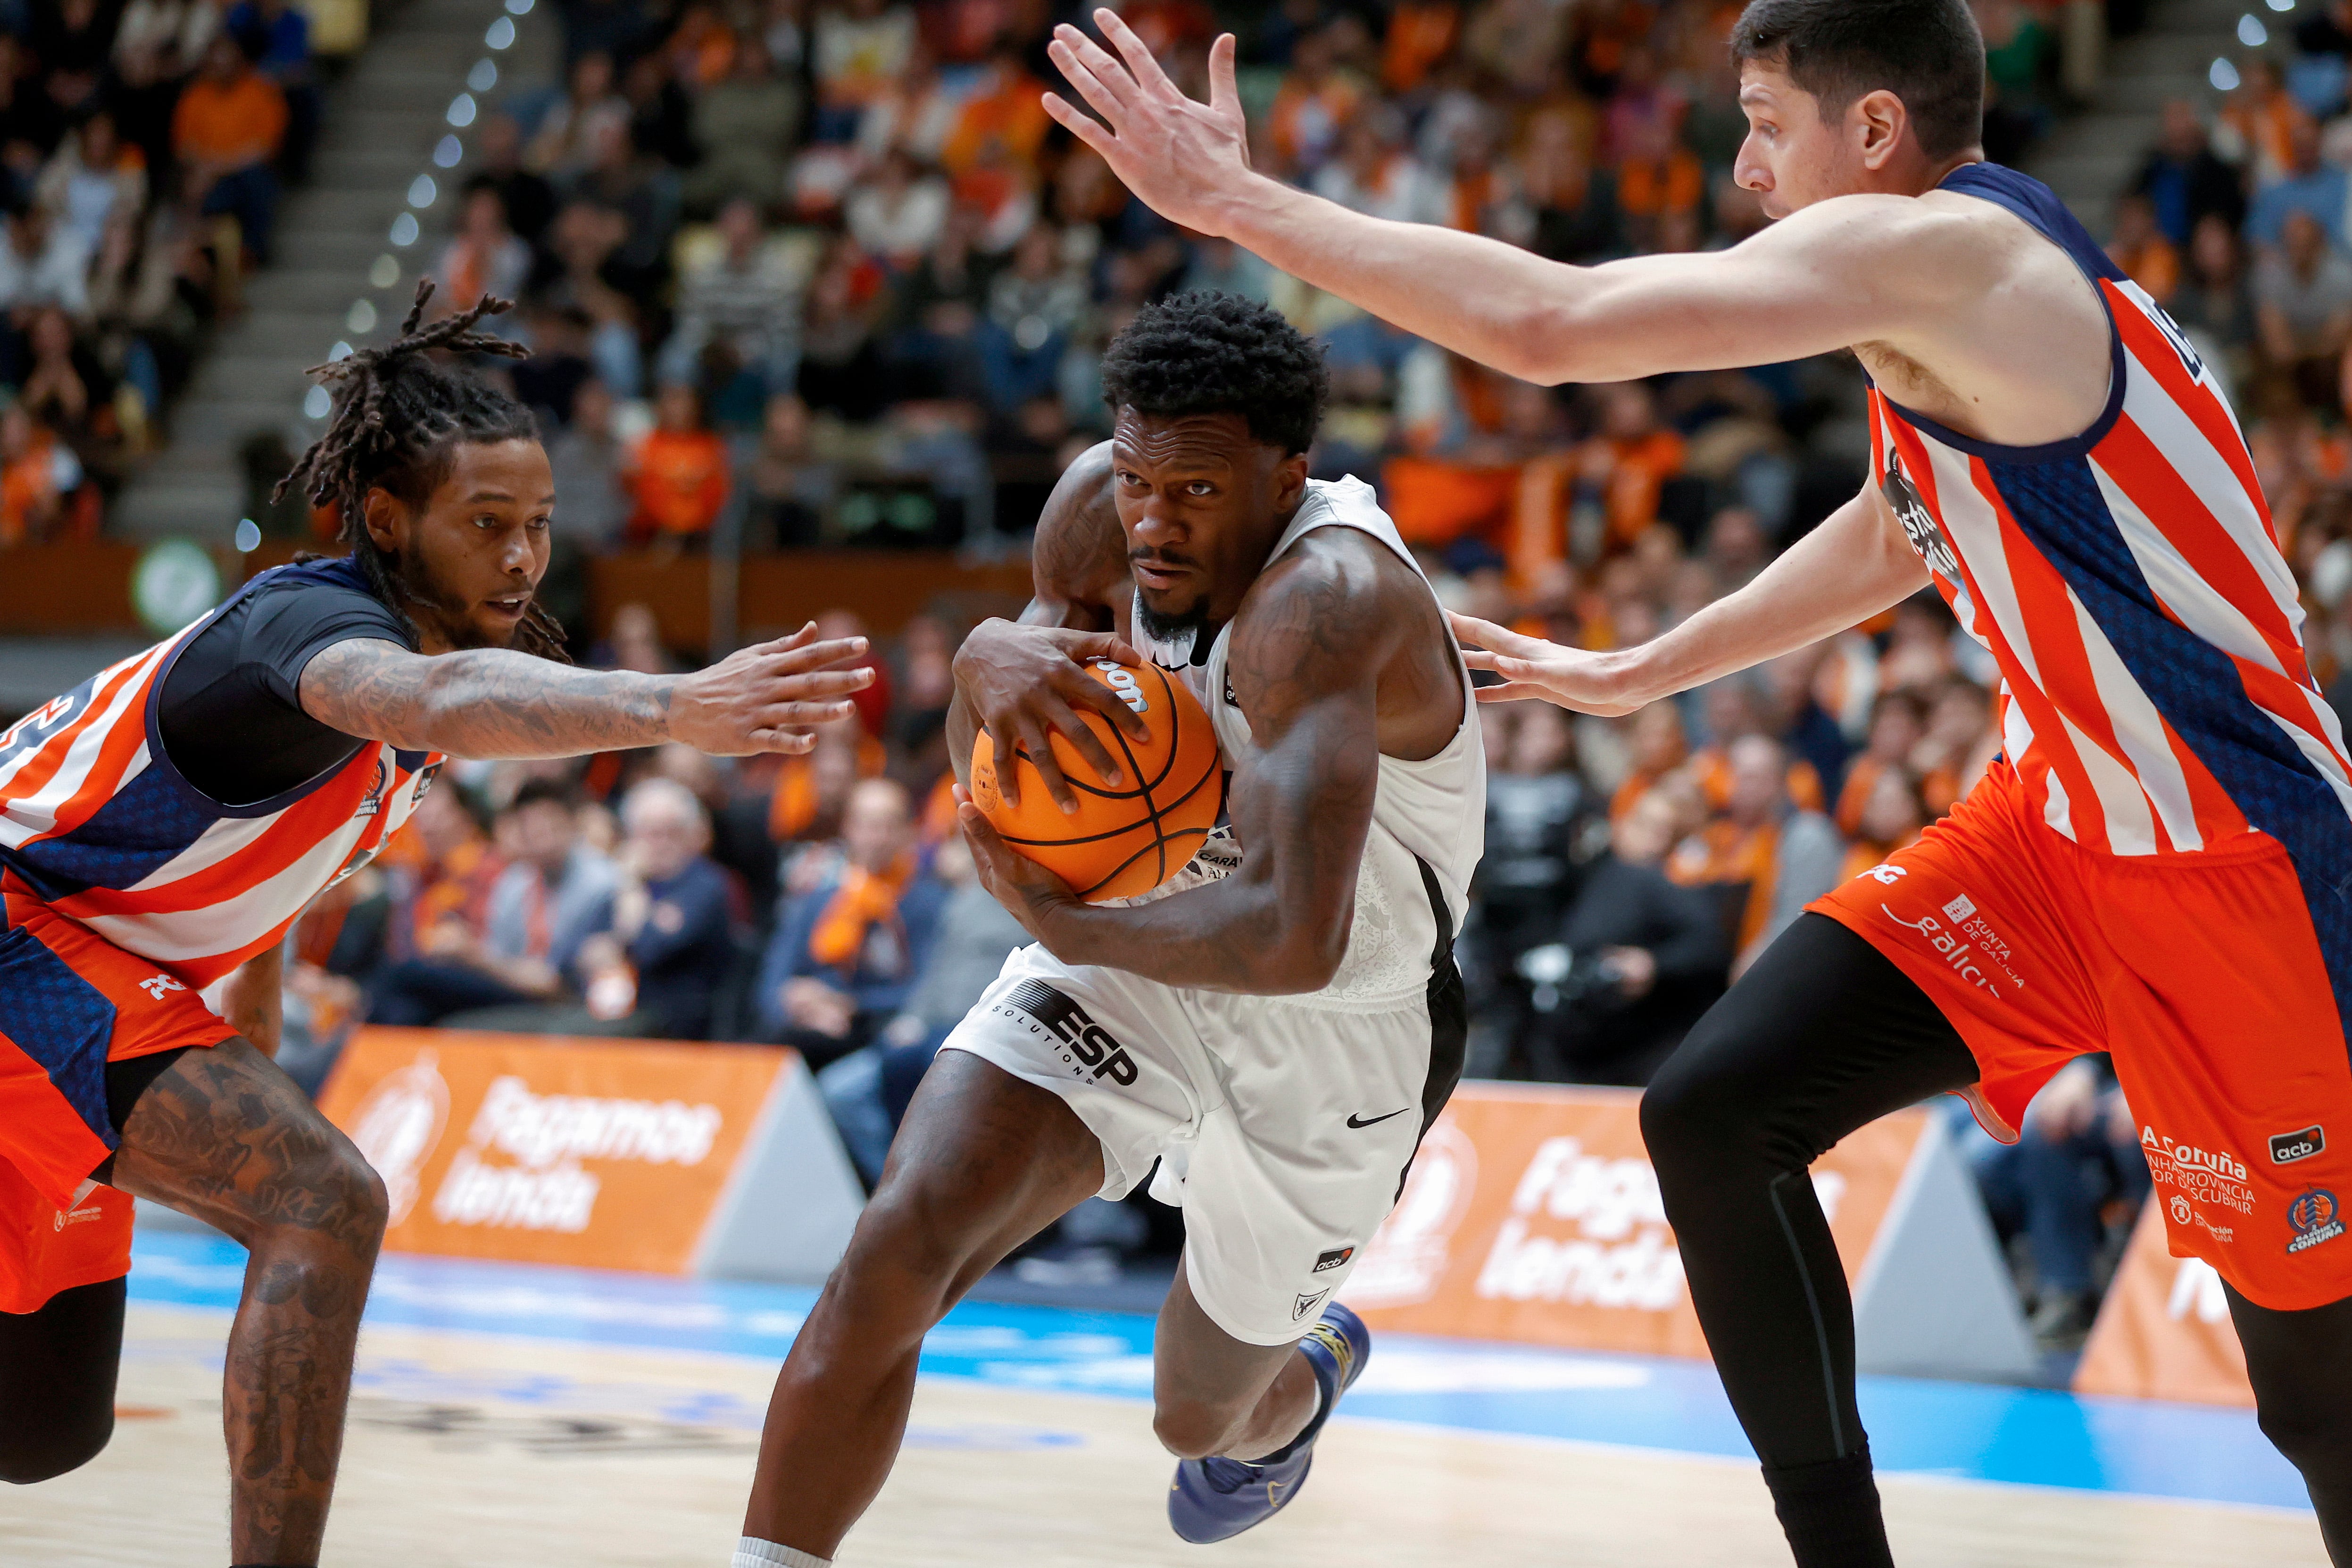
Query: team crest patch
[
  {"x": 2314, "y": 1218},
  {"x": 1307, "y": 1304},
  {"x": 375, "y": 801}
]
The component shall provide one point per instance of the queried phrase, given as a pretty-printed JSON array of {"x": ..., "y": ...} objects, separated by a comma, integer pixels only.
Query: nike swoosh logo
[{"x": 1361, "y": 1122}]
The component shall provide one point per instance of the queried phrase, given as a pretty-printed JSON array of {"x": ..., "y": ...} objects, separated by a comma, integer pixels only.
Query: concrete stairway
[
  {"x": 383, "y": 121},
  {"x": 2088, "y": 159}
]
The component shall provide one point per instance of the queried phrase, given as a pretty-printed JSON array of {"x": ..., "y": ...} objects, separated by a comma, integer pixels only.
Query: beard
[
  {"x": 421, "y": 597},
  {"x": 1180, "y": 628}
]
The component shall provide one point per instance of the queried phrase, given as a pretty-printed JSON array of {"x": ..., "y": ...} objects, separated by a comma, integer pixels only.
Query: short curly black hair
[{"x": 1219, "y": 353}]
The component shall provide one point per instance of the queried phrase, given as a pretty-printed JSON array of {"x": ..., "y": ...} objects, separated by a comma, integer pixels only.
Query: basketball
[{"x": 1125, "y": 841}]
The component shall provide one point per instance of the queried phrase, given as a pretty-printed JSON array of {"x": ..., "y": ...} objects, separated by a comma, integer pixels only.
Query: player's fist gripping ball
[{"x": 1127, "y": 839}]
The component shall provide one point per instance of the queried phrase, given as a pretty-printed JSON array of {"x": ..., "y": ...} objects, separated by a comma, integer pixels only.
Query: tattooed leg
[{"x": 226, "y": 1136}]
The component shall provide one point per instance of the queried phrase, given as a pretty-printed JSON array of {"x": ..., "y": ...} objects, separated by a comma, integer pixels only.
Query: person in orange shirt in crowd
[
  {"x": 451, "y": 868},
  {"x": 42, "y": 495},
  {"x": 2259, "y": 122},
  {"x": 226, "y": 133},
  {"x": 1734, "y": 709},
  {"x": 2140, "y": 249},
  {"x": 678, "y": 472},
  {"x": 847, "y": 950},
  {"x": 1007, "y": 106},
  {"x": 811, "y": 789},
  {"x": 1658, "y": 180},
  {"x": 1420, "y": 33},
  {"x": 1898, "y": 720},
  {"x": 1764, "y": 856},
  {"x": 1659, "y": 747},
  {"x": 1625, "y": 466}
]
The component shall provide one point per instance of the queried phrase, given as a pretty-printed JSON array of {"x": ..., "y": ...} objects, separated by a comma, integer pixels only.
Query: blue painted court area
[{"x": 1966, "y": 1431}]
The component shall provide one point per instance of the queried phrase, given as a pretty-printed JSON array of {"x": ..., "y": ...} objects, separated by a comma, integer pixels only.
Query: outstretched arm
[
  {"x": 1849, "y": 270},
  {"x": 1306, "y": 665},
  {"x": 1855, "y": 565},
  {"x": 490, "y": 703}
]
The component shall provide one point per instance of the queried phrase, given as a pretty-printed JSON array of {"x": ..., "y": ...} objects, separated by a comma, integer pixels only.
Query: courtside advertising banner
[
  {"x": 2164, "y": 1330},
  {"x": 1532, "y": 1213},
  {"x": 610, "y": 1154}
]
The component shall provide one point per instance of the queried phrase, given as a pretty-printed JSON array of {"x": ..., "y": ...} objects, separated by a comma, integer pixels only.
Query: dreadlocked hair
[{"x": 397, "y": 416}]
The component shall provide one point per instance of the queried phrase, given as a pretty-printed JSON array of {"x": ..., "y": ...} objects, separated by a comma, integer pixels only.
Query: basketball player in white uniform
[{"x": 1275, "y": 1027}]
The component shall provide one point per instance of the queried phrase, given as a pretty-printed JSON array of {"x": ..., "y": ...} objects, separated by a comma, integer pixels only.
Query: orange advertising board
[
  {"x": 1532, "y": 1213},
  {"x": 608, "y": 1154},
  {"x": 2164, "y": 1332}
]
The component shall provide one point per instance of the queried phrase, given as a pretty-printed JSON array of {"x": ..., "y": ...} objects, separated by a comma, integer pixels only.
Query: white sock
[{"x": 753, "y": 1553}]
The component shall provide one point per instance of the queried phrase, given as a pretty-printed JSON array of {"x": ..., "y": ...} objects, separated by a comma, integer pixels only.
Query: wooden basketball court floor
[{"x": 509, "y": 1415}]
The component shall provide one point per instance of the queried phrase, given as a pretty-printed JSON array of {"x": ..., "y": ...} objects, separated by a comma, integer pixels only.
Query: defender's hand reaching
[
  {"x": 767, "y": 697},
  {"x": 1022, "y": 683},
  {"x": 1185, "y": 160},
  {"x": 1575, "y": 678}
]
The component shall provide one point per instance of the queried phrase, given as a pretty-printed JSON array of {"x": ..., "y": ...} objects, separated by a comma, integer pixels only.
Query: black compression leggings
[
  {"x": 58, "y": 1364},
  {"x": 1820, "y": 1036},
  {"x": 58, "y": 1367}
]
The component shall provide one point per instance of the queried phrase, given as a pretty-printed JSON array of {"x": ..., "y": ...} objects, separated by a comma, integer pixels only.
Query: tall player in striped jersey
[
  {"x": 162, "y": 825},
  {"x": 2159, "y": 864}
]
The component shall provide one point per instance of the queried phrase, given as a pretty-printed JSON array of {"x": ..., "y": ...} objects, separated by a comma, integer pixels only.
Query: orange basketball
[{"x": 1125, "y": 841}]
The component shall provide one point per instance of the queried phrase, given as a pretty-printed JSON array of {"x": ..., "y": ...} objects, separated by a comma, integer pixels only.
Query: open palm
[
  {"x": 1575, "y": 678},
  {"x": 1186, "y": 161}
]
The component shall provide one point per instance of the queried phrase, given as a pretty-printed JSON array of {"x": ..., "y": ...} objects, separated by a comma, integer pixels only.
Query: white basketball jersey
[{"x": 1430, "y": 814}]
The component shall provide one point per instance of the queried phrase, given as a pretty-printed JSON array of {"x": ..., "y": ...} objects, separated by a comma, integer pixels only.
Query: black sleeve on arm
[{"x": 230, "y": 718}]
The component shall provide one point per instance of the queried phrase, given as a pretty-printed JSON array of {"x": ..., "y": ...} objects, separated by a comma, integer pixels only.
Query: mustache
[{"x": 1158, "y": 558}]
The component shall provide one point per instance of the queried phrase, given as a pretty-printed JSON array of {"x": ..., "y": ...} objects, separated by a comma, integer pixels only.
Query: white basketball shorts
[{"x": 1283, "y": 1128}]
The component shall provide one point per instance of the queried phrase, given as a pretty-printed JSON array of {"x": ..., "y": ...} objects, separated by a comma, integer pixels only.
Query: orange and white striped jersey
[
  {"x": 2155, "y": 696},
  {"x": 98, "y": 825}
]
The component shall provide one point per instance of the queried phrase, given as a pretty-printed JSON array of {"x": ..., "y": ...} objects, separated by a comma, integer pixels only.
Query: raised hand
[
  {"x": 1024, "y": 683},
  {"x": 768, "y": 696},
  {"x": 1185, "y": 160},
  {"x": 1575, "y": 678}
]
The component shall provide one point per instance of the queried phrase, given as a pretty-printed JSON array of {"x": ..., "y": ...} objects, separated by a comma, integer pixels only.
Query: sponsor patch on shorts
[
  {"x": 1084, "y": 1046},
  {"x": 1333, "y": 1258},
  {"x": 2288, "y": 1148}
]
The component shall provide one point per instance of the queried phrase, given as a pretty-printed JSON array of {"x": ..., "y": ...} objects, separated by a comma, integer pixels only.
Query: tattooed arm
[
  {"x": 1019, "y": 680},
  {"x": 492, "y": 703},
  {"x": 1309, "y": 647}
]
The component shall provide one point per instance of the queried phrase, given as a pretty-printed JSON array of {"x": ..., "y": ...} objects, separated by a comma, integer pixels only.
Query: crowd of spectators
[
  {"x": 827, "y": 273},
  {"x": 142, "y": 147}
]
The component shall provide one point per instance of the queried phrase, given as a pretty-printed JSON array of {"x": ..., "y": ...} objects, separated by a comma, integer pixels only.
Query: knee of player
[
  {"x": 1191, "y": 1429},
  {"x": 2311, "y": 1430},
  {"x": 342, "y": 1199},
  {"x": 32, "y": 1457},
  {"x": 1687, "y": 1114},
  {"x": 904, "y": 1259}
]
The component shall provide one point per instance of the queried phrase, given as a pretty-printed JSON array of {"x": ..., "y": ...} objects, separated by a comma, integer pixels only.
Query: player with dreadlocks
[{"x": 162, "y": 825}]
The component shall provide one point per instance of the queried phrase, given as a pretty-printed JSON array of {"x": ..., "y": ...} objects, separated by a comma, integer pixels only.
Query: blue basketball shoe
[{"x": 1216, "y": 1498}]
